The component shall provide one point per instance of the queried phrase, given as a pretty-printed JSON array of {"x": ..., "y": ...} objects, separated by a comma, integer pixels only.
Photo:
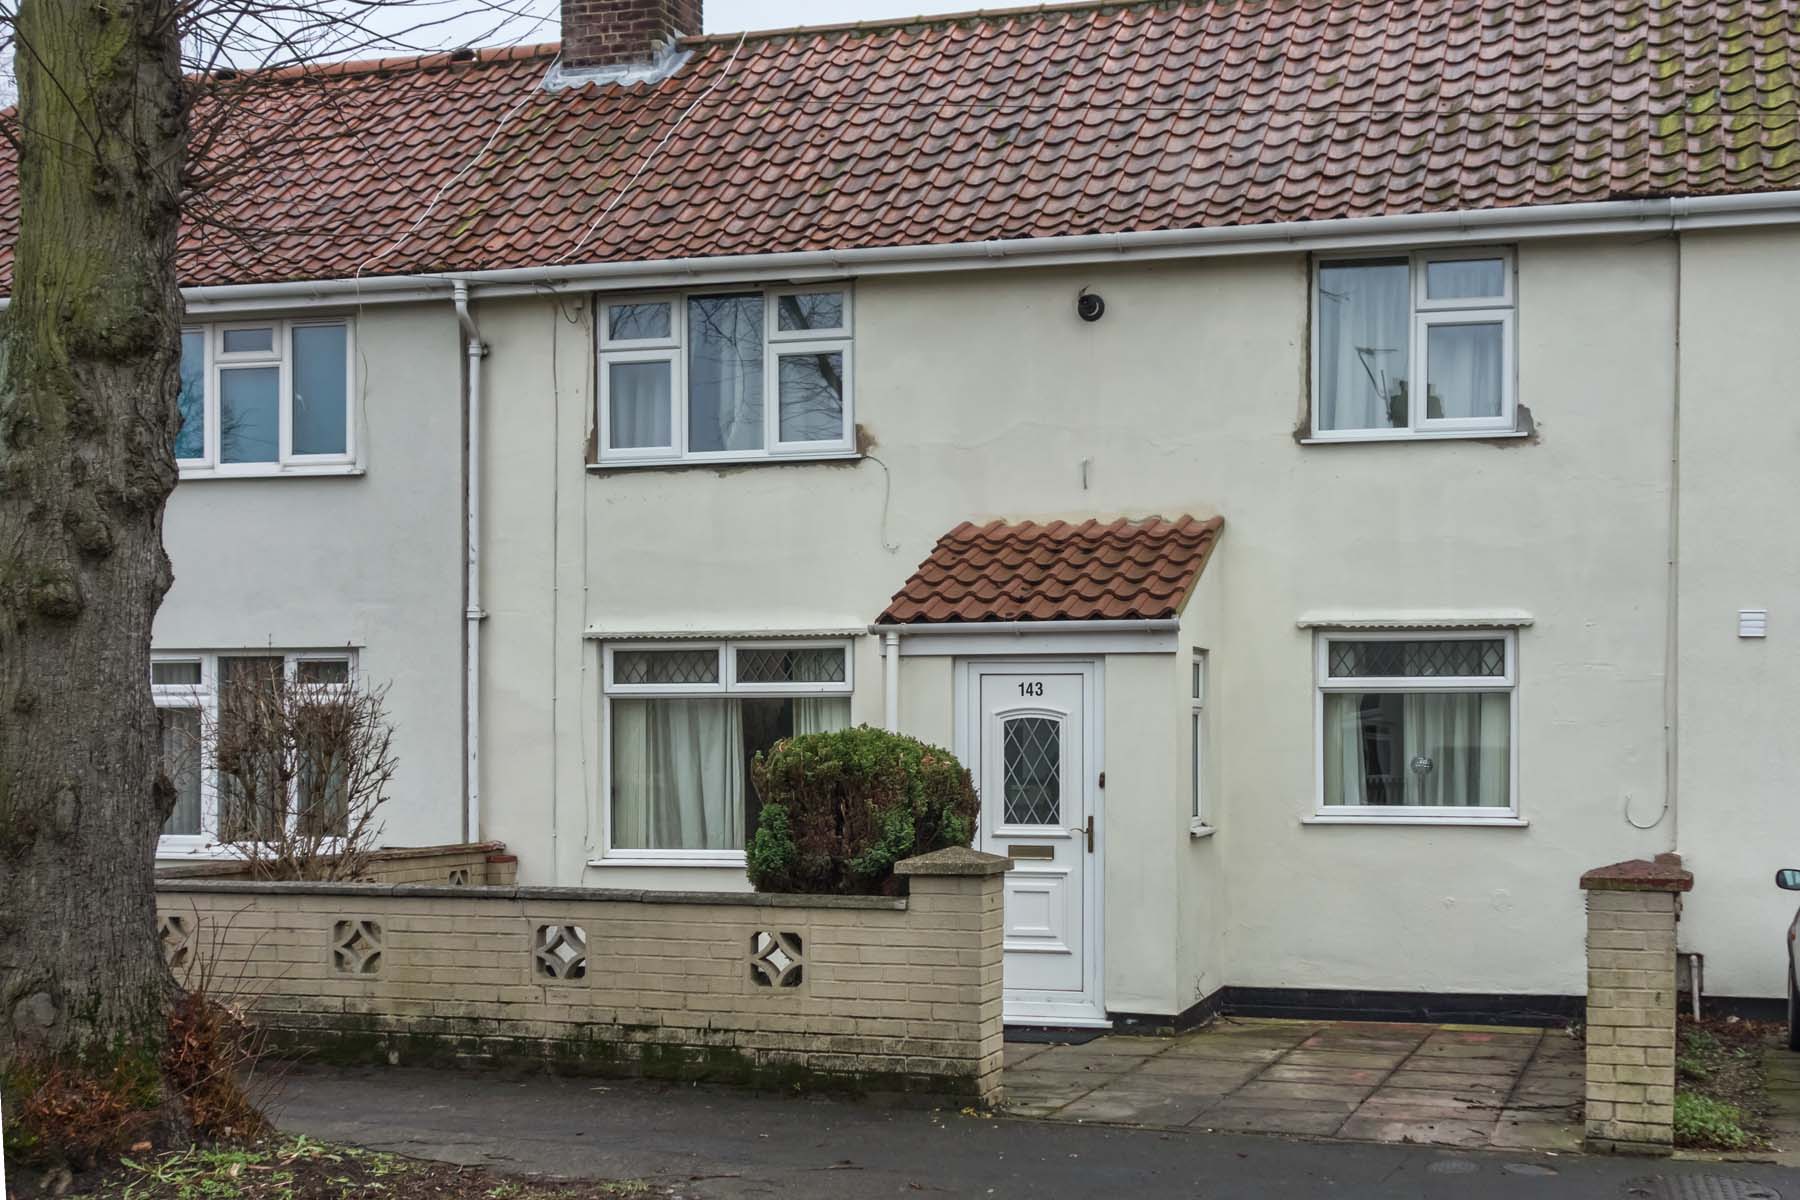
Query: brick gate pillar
[{"x": 1632, "y": 908}]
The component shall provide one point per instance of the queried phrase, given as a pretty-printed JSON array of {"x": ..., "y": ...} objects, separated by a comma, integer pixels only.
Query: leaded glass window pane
[
  {"x": 1421, "y": 659},
  {"x": 811, "y": 664},
  {"x": 1032, "y": 771},
  {"x": 666, "y": 666}
]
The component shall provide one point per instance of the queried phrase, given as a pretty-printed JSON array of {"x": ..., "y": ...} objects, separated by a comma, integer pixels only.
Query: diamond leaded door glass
[{"x": 1031, "y": 765}]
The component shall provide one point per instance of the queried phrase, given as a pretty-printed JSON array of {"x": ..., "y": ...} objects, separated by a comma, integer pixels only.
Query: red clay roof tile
[
  {"x": 1033, "y": 123},
  {"x": 1057, "y": 572}
]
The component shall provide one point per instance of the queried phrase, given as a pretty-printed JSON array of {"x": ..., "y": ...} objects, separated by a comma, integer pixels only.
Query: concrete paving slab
[
  {"x": 1286, "y": 1072},
  {"x": 1467, "y": 1134},
  {"x": 1310, "y": 1122},
  {"x": 1119, "y": 1104},
  {"x": 1416, "y": 1077},
  {"x": 1276, "y": 1094},
  {"x": 1384, "y": 1060},
  {"x": 1417, "y": 1083}
]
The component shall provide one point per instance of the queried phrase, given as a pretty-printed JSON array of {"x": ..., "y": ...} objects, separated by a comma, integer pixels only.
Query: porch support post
[{"x": 1632, "y": 908}]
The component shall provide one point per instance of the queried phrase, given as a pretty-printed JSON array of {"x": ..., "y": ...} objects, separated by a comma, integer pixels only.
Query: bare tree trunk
[{"x": 87, "y": 416}]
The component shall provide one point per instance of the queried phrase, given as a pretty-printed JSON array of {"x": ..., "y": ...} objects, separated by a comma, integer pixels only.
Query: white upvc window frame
[
  {"x": 211, "y": 464},
  {"x": 726, "y": 687},
  {"x": 1389, "y": 814},
  {"x": 204, "y": 696},
  {"x": 1200, "y": 818},
  {"x": 1426, "y": 313},
  {"x": 673, "y": 349}
]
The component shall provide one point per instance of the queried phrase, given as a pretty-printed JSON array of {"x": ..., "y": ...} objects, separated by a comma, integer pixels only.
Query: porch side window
[
  {"x": 1414, "y": 724},
  {"x": 1411, "y": 345},
  {"x": 725, "y": 375},
  {"x": 683, "y": 723}
]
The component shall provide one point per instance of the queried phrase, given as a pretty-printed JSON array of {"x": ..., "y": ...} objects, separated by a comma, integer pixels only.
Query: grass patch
[
  {"x": 1720, "y": 1095},
  {"x": 304, "y": 1169}
]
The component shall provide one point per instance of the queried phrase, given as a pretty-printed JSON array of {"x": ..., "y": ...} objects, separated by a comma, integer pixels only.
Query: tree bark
[{"x": 87, "y": 417}]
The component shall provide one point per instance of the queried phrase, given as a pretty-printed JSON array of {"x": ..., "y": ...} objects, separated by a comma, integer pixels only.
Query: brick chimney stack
[{"x": 612, "y": 33}]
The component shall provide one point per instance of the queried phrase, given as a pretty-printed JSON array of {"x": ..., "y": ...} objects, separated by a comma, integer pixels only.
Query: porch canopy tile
[{"x": 1122, "y": 570}]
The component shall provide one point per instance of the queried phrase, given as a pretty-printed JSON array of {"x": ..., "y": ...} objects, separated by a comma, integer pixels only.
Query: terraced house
[{"x": 1326, "y": 466}]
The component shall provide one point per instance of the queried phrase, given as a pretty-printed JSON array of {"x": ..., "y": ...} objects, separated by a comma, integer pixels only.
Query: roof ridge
[
  {"x": 432, "y": 60},
  {"x": 885, "y": 24}
]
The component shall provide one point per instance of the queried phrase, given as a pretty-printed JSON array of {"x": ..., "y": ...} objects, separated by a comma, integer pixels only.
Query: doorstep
[{"x": 1467, "y": 1086}]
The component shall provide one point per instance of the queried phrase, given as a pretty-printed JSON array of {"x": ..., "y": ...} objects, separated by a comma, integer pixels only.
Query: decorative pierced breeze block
[
  {"x": 666, "y": 666},
  {"x": 560, "y": 952},
  {"x": 459, "y": 877},
  {"x": 356, "y": 947},
  {"x": 177, "y": 940},
  {"x": 775, "y": 960},
  {"x": 1033, "y": 779},
  {"x": 776, "y": 664},
  {"x": 1457, "y": 657}
]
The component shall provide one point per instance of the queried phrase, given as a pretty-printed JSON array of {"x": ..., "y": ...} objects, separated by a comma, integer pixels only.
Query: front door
[{"x": 1036, "y": 772}]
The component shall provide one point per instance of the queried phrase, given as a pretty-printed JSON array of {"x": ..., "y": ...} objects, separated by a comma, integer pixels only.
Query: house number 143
[{"x": 1032, "y": 687}]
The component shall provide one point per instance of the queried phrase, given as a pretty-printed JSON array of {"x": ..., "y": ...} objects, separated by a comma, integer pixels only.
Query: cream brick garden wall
[
  {"x": 1632, "y": 910},
  {"x": 870, "y": 991}
]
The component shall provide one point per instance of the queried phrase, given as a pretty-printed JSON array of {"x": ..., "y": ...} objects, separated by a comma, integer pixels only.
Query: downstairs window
[
  {"x": 684, "y": 722},
  {"x": 1417, "y": 725}
]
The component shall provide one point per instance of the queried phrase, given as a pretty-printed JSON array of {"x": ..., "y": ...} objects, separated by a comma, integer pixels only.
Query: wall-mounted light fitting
[{"x": 1089, "y": 306}]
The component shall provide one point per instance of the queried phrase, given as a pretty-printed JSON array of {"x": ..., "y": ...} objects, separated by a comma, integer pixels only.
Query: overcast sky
[{"x": 485, "y": 22}]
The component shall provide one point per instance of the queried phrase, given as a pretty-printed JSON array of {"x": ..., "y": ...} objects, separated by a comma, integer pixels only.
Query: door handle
[{"x": 1090, "y": 833}]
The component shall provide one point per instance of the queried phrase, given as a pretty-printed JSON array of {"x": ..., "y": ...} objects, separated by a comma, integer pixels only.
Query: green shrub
[
  {"x": 1703, "y": 1121},
  {"x": 840, "y": 809}
]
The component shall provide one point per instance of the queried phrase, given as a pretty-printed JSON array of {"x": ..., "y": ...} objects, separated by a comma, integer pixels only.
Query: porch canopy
[
  {"x": 999, "y": 573},
  {"x": 989, "y": 589}
]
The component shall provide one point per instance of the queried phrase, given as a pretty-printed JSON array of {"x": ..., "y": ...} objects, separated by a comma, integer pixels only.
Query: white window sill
[
  {"x": 1200, "y": 829},
  {"x": 1434, "y": 435},
  {"x": 1497, "y": 822},
  {"x": 734, "y": 460},
  {"x": 274, "y": 472}
]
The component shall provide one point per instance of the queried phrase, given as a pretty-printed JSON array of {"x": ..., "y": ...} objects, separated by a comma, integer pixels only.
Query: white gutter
[
  {"x": 1666, "y": 215},
  {"x": 1024, "y": 628},
  {"x": 472, "y": 611}
]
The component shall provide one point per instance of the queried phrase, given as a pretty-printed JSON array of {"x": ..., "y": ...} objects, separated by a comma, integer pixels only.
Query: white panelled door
[{"x": 1036, "y": 772}]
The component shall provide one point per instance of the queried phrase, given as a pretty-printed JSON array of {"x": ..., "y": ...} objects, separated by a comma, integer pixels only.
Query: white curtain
[
  {"x": 1365, "y": 314},
  {"x": 1464, "y": 739},
  {"x": 821, "y": 714},
  {"x": 1346, "y": 772},
  {"x": 677, "y": 774},
  {"x": 1463, "y": 370},
  {"x": 1449, "y": 748},
  {"x": 638, "y": 396}
]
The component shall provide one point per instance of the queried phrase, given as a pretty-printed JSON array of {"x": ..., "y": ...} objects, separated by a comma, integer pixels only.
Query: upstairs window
[
  {"x": 266, "y": 398},
  {"x": 1414, "y": 345},
  {"x": 725, "y": 376}
]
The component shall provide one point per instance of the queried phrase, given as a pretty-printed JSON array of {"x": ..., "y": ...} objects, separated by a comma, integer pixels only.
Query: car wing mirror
[{"x": 1788, "y": 879}]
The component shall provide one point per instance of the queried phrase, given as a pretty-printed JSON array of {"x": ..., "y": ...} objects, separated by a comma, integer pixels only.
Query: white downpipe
[
  {"x": 472, "y": 612},
  {"x": 1525, "y": 223},
  {"x": 890, "y": 678}
]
